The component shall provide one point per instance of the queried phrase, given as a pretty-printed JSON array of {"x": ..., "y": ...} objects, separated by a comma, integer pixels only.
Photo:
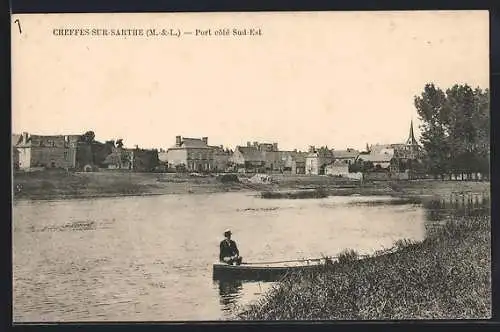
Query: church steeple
[{"x": 411, "y": 137}]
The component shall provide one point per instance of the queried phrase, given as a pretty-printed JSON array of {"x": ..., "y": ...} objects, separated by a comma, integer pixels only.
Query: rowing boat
[{"x": 271, "y": 271}]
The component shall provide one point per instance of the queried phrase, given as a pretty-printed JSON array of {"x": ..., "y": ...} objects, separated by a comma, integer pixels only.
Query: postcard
[{"x": 251, "y": 166}]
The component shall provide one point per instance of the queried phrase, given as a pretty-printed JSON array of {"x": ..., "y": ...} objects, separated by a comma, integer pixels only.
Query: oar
[{"x": 288, "y": 261}]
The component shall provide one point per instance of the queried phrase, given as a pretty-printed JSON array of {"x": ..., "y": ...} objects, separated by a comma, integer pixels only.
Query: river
[{"x": 150, "y": 258}]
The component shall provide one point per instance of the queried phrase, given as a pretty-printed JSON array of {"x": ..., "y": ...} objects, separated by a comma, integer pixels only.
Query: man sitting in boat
[{"x": 229, "y": 252}]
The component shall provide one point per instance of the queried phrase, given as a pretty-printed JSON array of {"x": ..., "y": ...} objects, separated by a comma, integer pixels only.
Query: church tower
[
  {"x": 411, "y": 137},
  {"x": 412, "y": 145}
]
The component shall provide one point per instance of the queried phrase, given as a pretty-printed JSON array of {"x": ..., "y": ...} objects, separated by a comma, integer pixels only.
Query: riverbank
[
  {"x": 446, "y": 276},
  {"x": 65, "y": 185}
]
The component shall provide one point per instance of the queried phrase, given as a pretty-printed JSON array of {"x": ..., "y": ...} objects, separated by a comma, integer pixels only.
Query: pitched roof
[
  {"x": 15, "y": 138},
  {"x": 296, "y": 155},
  {"x": 377, "y": 157},
  {"x": 322, "y": 153},
  {"x": 345, "y": 153},
  {"x": 251, "y": 153},
  {"x": 193, "y": 143}
]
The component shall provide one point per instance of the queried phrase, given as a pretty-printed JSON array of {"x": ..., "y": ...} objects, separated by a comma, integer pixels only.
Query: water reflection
[
  {"x": 229, "y": 292},
  {"x": 457, "y": 205}
]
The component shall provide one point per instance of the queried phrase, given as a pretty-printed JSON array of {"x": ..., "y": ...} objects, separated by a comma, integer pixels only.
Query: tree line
[
  {"x": 455, "y": 130},
  {"x": 97, "y": 152}
]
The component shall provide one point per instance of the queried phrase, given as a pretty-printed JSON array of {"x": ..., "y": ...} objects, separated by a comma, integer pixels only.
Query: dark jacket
[{"x": 228, "y": 250}]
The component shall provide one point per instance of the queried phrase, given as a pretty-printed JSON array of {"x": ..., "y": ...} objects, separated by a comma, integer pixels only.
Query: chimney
[
  {"x": 205, "y": 140},
  {"x": 256, "y": 144},
  {"x": 275, "y": 146},
  {"x": 178, "y": 141},
  {"x": 312, "y": 148},
  {"x": 248, "y": 144},
  {"x": 25, "y": 137}
]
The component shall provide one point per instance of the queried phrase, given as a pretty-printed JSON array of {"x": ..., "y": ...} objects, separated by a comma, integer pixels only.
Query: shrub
[{"x": 347, "y": 256}]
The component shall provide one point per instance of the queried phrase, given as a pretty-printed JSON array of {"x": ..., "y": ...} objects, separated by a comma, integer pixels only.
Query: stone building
[
  {"x": 221, "y": 158},
  {"x": 249, "y": 159},
  {"x": 396, "y": 157},
  {"x": 260, "y": 157},
  {"x": 195, "y": 155},
  {"x": 337, "y": 168},
  {"x": 383, "y": 159},
  {"x": 15, "y": 151},
  {"x": 49, "y": 151},
  {"x": 317, "y": 159},
  {"x": 347, "y": 156}
]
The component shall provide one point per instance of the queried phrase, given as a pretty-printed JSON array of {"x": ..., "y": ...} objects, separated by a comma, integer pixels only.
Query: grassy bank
[
  {"x": 61, "y": 184},
  {"x": 447, "y": 276}
]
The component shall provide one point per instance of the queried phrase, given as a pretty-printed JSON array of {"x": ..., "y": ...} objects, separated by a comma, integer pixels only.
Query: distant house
[
  {"x": 383, "y": 159},
  {"x": 317, "y": 159},
  {"x": 139, "y": 160},
  {"x": 396, "y": 157},
  {"x": 259, "y": 157},
  {"x": 249, "y": 159},
  {"x": 337, "y": 168},
  {"x": 192, "y": 154},
  {"x": 195, "y": 155},
  {"x": 221, "y": 158},
  {"x": 346, "y": 156},
  {"x": 50, "y": 151},
  {"x": 292, "y": 162},
  {"x": 15, "y": 152},
  {"x": 408, "y": 150},
  {"x": 299, "y": 163}
]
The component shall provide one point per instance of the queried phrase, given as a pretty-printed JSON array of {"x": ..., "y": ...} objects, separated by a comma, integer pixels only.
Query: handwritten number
[{"x": 18, "y": 25}]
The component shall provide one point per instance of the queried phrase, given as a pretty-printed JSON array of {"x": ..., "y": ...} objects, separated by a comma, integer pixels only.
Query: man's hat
[{"x": 227, "y": 231}]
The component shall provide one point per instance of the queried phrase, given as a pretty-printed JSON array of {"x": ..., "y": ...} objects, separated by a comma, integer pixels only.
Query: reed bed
[{"x": 446, "y": 276}]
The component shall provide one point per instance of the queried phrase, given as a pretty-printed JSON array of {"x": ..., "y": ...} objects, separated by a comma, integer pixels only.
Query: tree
[
  {"x": 88, "y": 137},
  {"x": 361, "y": 165},
  {"x": 461, "y": 132},
  {"x": 119, "y": 143},
  {"x": 431, "y": 110},
  {"x": 481, "y": 121},
  {"x": 455, "y": 129}
]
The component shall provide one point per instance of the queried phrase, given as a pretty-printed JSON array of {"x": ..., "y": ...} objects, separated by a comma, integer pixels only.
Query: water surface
[{"x": 150, "y": 258}]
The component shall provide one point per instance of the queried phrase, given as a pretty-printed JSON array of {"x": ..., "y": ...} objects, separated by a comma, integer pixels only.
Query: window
[{"x": 66, "y": 155}]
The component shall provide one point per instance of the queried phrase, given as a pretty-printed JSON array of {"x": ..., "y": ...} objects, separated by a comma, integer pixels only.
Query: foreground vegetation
[{"x": 447, "y": 276}]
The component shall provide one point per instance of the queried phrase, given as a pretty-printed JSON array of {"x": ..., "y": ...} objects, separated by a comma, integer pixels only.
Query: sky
[{"x": 341, "y": 79}]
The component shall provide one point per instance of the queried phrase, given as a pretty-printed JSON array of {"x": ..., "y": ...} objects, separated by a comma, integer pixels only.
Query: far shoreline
[{"x": 49, "y": 186}]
